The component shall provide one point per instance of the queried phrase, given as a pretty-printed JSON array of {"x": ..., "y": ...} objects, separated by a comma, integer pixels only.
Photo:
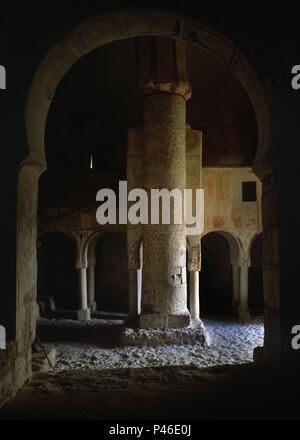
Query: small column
[
  {"x": 244, "y": 308},
  {"x": 91, "y": 287},
  {"x": 133, "y": 293},
  {"x": 194, "y": 295},
  {"x": 194, "y": 266},
  {"x": 140, "y": 279},
  {"x": 139, "y": 289},
  {"x": 83, "y": 314},
  {"x": 134, "y": 272}
]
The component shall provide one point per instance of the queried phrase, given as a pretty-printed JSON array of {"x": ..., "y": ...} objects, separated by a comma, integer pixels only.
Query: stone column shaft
[
  {"x": 194, "y": 295},
  {"x": 163, "y": 81},
  {"x": 133, "y": 293},
  {"x": 91, "y": 286},
  {"x": 139, "y": 289},
  {"x": 164, "y": 289},
  {"x": 84, "y": 312},
  {"x": 244, "y": 309}
]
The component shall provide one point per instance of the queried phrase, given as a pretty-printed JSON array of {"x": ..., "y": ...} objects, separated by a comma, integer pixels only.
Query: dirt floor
[
  {"x": 181, "y": 393},
  {"x": 232, "y": 342},
  {"x": 100, "y": 379}
]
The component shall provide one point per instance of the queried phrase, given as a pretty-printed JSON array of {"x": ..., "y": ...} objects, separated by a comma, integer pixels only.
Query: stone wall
[
  {"x": 15, "y": 370},
  {"x": 224, "y": 205}
]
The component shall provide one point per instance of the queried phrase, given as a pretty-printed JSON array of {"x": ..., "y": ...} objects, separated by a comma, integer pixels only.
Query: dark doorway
[
  {"x": 57, "y": 274},
  {"x": 215, "y": 281},
  {"x": 111, "y": 273}
]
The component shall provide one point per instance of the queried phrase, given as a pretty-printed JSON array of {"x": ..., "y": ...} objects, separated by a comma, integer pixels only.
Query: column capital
[
  {"x": 162, "y": 66},
  {"x": 91, "y": 261},
  {"x": 245, "y": 262},
  {"x": 80, "y": 264},
  {"x": 134, "y": 257},
  {"x": 194, "y": 258}
]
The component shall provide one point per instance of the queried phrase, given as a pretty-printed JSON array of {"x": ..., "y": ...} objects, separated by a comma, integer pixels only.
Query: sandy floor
[
  {"x": 92, "y": 382},
  {"x": 233, "y": 392},
  {"x": 232, "y": 343}
]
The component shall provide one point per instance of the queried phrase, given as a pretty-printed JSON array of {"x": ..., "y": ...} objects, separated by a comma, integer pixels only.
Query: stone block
[
  {"x": 243, "y": 313},
  {"x": 83, "y": 314},
  {"x": 159, "y": 321},
  {"x": 195, "y": 333}
]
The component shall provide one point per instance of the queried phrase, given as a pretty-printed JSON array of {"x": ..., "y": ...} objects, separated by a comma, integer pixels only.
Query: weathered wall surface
[
  {"x": 225, "y": 209},
  {"x": 15, "y": 370}
]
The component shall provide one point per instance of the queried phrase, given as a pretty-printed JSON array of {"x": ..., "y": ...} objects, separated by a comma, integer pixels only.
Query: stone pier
[{"x": 165, "y": 87}]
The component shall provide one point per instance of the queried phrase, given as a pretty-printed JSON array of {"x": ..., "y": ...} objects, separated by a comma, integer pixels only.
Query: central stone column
[{"x": 163, "y": 81}]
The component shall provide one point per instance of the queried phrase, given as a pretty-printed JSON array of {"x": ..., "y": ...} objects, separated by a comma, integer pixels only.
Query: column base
[
  {"x": 93, "y": 306},
  {"x": 195, "y": 333},
  {"x": 243, "y": 313},
  {"x": 83, "y": 314},
  {"x": 159, "y": 321},
  {"x": 236, "y": 305}
]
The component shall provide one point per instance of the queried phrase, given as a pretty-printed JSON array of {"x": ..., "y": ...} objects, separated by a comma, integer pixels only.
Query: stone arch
[
  {"x": 92, "y": 239},
  {"x": 94, "y": 32},
  {"x": 228, "y": 277},
  {"x": 255, "y": 236},
  {"x": 107, "y": 27},
  {"x": 80, "y": 239},
  {"x": 234, "y": 243},
  {"x": 63, "y": 231}
]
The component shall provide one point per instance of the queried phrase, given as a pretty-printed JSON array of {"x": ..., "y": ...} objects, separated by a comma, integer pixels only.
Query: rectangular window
[{"x": 249, "y": 191}]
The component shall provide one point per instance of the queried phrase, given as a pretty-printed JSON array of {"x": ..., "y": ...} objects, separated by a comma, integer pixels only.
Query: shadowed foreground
[{"x": 228, "y": 392}]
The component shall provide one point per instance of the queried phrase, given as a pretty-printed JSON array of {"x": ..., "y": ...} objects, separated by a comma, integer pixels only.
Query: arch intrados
[
  {"x": 233, "y": 241},
  {"x": 107, "y": 27},
  {"x": 60, "y": 231}
]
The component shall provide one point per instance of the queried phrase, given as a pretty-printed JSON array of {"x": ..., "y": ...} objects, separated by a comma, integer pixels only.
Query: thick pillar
[
  {"x": 163, "y": 81},
  {"x": 91, "y": 287},
  {"x": 244, "y": 308},
  {"x": 194, "y": 295},
  {"x": 83, "y": 313}
]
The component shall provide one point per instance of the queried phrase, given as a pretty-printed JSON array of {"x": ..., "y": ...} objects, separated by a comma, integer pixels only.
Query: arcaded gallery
[{"x": 140, "y": 319}]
